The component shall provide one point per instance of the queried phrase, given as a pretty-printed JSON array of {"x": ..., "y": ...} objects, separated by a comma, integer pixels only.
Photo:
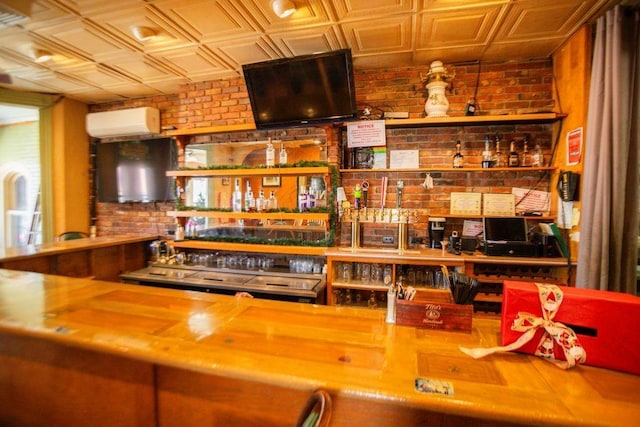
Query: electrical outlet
[{"x": 387, "y": 239}]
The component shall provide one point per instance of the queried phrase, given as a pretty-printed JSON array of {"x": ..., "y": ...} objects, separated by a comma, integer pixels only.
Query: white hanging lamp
[{"x": 283, "y": 8}]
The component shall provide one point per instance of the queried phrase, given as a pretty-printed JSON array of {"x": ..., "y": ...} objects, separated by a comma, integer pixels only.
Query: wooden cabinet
[
  {"x": 418, "y": 268},
  {"x": 491, "y": 272},
  {"x": 285, "y": 229},
  {"x": 103, "y": 258},
  {"x": 361, "y": 278}
]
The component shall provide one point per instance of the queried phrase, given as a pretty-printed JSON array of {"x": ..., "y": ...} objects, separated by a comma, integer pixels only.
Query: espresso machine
[{"x": 436, "y": 231}]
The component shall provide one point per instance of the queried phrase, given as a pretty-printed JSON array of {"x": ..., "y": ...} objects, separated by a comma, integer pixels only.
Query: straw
[{"x": 463, "y": 288}]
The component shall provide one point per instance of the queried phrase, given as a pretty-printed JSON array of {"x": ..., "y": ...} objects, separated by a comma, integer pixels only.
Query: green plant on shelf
[
  {"x": 298, "y": 164},
  {"x": 274, "y": 242}
]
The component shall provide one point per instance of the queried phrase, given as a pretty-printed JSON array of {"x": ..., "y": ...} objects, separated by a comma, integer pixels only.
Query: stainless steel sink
[
  {"x": 218, "y": 277},
  {"x": 285, "y": 282}
]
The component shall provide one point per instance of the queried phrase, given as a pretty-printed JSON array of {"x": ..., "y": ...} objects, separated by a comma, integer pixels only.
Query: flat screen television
[
  {"x": 303, "y": 90},
  {"x": 135, "y": 170}
]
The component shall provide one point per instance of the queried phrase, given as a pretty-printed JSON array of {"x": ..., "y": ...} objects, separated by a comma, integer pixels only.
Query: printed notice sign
[
  {"x": 366, "y": 133},
  {"x": 574, "y": 146},
  {"x": 531, "y": 200}
]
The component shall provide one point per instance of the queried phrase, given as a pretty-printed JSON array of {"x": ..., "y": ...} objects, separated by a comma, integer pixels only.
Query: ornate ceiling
[{"x": 96, "y": 58}]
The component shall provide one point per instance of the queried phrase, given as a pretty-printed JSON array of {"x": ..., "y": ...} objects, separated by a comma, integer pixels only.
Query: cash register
[{"x": 507, "y": 236}]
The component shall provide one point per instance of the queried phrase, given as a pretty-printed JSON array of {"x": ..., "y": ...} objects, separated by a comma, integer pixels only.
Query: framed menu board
[
  {"x": 465, "y": 203},
  {"x": 499, "y": 205}
]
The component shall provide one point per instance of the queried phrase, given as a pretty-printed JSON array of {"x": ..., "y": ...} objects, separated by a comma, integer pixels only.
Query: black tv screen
[
  {"x": 135, "y": 170},
  {"x": 505, "y": 229},
  {"x": 302, "y": 90}
]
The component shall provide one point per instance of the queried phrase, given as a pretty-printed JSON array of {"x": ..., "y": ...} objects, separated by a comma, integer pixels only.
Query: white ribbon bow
[{"x": 554, "y": 332}]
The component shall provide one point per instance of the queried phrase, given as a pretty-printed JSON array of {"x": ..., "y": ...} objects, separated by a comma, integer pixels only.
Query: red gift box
[{"x": 607, "y": 324}]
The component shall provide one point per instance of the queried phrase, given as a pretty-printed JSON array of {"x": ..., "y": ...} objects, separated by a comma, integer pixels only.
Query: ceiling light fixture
[
  {"x": 143, "y": 34},
  {"x": 283, "y": 8},
  {"x": 42, "y": 55}
]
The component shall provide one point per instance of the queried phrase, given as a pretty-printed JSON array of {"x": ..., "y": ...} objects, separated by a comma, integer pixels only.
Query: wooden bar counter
[
  {"x": 104, "y": 257},
  {"x": 83, "y": 352}
]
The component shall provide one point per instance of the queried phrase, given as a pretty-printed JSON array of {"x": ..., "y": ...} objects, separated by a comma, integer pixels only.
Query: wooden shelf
[
  {"x": 488, "y": 298},
  {"x": 247, "y": 247},
  {"x": 213, "y": 129},
  {"x": 275, "y": 171},
  {"x": 424, "y": 121},
  {"x": 450, "y": 169},
  {"x": 360, "y": 286},
  {"x": 481, "y": 120},
  {"x": 463, "y": 216},
  {"x": 309, "y": 216}
]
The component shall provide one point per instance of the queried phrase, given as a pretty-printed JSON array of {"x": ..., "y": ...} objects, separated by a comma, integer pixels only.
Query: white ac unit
[{"x": 130, "y": 122}]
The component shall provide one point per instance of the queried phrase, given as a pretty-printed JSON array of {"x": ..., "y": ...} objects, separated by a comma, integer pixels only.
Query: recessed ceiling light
[
  {"x": 283, "y": 8},
  {"x": 42, "y": 55},
  {"x": 143, "y": 34}
]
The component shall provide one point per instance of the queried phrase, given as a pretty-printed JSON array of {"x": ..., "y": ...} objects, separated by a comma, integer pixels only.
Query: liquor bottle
[
  {"x": 312, "y": 196},
  {"x": 236, "y": 198},
  {"x": 498, "y": 162},
  {"x": 273, "y": 202},
  {"x": 302, "y": 199},
  {"x": 282, "y": 155},
  {"x": 525, "y": 153},
  {"x": 487, "y": 158},
  {"x": 179, "y": 233},
  {"x": 261, "y": 202},
  {"x": 458, "y": 158},
  {"x": 513, "y": 155},
  {"x": 537, "y": 158},
  {"x": 271, "y": 154},
  {"x": 249, "y": 200}
]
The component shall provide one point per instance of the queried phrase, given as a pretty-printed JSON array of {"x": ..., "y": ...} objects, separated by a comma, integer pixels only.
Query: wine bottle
[
  {"x": 261, "y": 202},
  {"x": 513, "y": 155},
  {"x": 498, "y": 162},
  {"x": 525, "y": 152},
  {"x": 282, "y": 155},
  {"x": 271, "y": 154},
  {"x": 312, "y": 195},
  {"x": 458, "y": 158},
  {"x": 537, "y": 159},
  {"x": 249, "y": 200},
  {"x": 236, "y": 198},
  {"x": 273, "y": 202},
  {"x": 487, "y": 159}
]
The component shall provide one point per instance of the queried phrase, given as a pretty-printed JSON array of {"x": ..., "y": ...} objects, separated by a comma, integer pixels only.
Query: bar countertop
[
  {"x": 438, "y": 255},
  {"x": 346, "y": 351},
  {"x": 54, "y": 248}
]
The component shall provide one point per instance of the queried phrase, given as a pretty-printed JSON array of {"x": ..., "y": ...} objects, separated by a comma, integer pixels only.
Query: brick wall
[{"x": 503, "y": 88}]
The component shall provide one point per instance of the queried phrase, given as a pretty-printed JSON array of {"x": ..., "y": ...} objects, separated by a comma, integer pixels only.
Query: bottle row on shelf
[
  {"x": 307, "y": 199},
  {"x": 248, "y": 202},
  {"x": 270, "y": 152},
  {"x": 498, "y": 158}
]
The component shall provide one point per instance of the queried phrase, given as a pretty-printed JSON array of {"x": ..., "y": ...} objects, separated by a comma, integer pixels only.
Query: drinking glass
[
  {"x": 345, "y": 272},
  {"x": 365, "y": 273},
  {"x": 376, "y": 273}
]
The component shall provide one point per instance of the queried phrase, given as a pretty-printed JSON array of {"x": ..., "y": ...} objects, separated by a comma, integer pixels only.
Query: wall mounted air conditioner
[{"x": 130, "y": 122}]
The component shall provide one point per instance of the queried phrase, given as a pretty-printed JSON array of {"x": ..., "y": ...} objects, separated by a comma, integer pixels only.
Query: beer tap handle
[
  {"x": 400, "y": 189},
  {"x": 365, "y": 192}
]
